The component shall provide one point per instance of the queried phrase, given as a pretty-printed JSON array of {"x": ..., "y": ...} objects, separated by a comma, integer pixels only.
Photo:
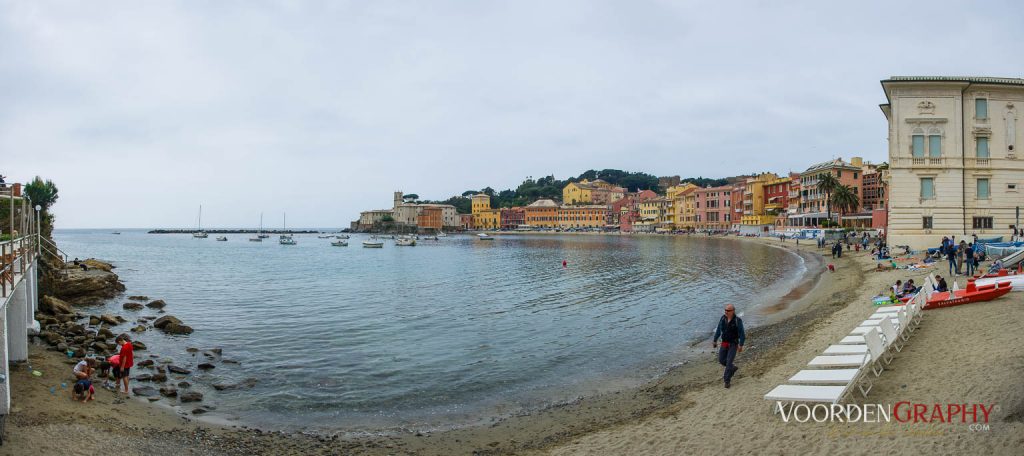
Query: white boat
[
  {"x": 405, "y": 242},
  {"x": 222, "y": 238},
  {"x": 340, "y": 243},
  {"x": 429, "y": 238},
  {"x": 485, "y": 237},
  {"x": 286, "y": 239},
  {"x": 322, "y": 236},
  {"x": 259, "y": 234},
  {"x": 442, "y": 234},
  {"x": 200, "y": 234},
  {"x": 1016, "y": 280},
  {"x": 373, "y": 244},
  {"x": 342, "y": 236}
]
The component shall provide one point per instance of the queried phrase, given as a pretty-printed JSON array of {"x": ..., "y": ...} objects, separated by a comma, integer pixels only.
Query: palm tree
[
  {"x": 845, "y": 199},
  {"x": 828, "y": 184}
]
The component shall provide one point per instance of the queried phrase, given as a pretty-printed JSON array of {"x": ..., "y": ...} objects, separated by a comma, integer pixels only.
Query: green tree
[
  {"x": 411, "y": 197},
  {"x": 828, "y": 184},
  {"x": 42, "y": 193},
  {"x": 845, "y": 199}
]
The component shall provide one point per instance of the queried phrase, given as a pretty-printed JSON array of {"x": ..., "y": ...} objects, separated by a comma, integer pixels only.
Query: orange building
[
  {"x": 430, "y": 219},
  {"x": 542, "y": 213},
  {"x": 591, "y": 216}
]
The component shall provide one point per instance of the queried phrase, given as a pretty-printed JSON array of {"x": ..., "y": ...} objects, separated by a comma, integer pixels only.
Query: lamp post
[{"x": 39, "y": 229}]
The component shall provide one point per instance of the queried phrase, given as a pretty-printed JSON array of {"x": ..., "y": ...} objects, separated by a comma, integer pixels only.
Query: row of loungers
[{"x": 856, "y": 358}]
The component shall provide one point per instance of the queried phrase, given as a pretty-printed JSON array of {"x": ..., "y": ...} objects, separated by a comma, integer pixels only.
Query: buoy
[{"x": 565, "y": 264}]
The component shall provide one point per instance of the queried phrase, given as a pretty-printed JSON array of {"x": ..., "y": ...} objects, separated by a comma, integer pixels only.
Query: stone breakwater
[
  {"x": 234, "y": 231},
  {"x": 76, "y": 334}
]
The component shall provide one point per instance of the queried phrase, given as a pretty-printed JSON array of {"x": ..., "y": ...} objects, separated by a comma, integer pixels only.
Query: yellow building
[
  {"x": 757, "y": 209},
  {"x": 485, "y": 218},
  {"x": 652, "y": 215},
  {"x": 676, "y": 207},
  {"x": 591, "y": 192},
  {"x": 577, "y": 193},
  {"x": 542, "y": 213}
]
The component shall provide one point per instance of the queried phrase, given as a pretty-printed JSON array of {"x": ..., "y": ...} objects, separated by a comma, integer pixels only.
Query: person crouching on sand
[
  {"x": 730, "y": 330},
  {"x": 83, "y": 389},
  {"x": 127, "y": 355}
]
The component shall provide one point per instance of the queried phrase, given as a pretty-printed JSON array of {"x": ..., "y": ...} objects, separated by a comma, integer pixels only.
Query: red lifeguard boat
[{"x": 972, "y": 293}]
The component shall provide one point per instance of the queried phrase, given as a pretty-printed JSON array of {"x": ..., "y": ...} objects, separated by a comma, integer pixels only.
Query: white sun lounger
[
  {"x": 825, "y": 376},
  {"x": 846, "y": 349},
  {"x": 807, "y": 393},
  {"x": 831, "y": 385}
]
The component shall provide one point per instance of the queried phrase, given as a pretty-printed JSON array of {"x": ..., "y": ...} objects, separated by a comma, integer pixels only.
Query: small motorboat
[
  {"x": 324, "y": 236},
  {"x": 222, "y": 238},
  {"x": 263, "y": 236},
  {"x": 200, "y": 235},
  {"x": 340, "y": 243},
  {"x": 116, "y": 232},
  {"x": 341, "y": 236},
  {"x": 485, "y": 237},
  {"x": 429, "y": 238},
  {"x": 286, "y": 239},
  {"x": 405, "y": 242},
  {"x": 373, "y": 244},
  {"x": 973, "y": 293},
  {"x": 442, "y": 234}
]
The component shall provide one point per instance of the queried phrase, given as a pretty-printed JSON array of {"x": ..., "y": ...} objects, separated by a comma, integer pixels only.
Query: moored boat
[
  {"x": 973, "y": 293},
  {"x": 342, "y": 236},
  {"x": 340, "y": 243},
  {"x": 222, "y": 238},
  {"x": 485, "y": 237},
  {"x": 373, "y": 244},
  {"x": 405, "y": 241}
]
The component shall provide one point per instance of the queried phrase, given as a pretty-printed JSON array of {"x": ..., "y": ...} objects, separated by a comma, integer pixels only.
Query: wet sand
[{"x": 687, "y": 403}]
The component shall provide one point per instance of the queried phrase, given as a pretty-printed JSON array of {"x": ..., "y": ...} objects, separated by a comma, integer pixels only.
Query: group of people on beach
[
  {"x": 959, "y": 255},
  {"x": 120, "y": 364}
]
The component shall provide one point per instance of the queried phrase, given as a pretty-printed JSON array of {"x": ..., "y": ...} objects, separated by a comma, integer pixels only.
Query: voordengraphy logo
[{"x": 901, "y": 412}]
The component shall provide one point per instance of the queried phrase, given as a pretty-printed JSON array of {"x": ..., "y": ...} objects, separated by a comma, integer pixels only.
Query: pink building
[{"x": 714, "y": 208}]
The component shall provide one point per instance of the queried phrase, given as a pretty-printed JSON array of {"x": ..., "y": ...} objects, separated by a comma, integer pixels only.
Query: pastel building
[
  {"x": 714, "y": 208},
  {"x": 955, "y": 167},
  {"x": 591, "y": 192},
  {"x": 512, "y": 218},
  {"x": 542, "y": 213},
  {"x": 484, "y": 218},
  {"x": 813, "y": 200},
  {"x": 589, "y": 216}
]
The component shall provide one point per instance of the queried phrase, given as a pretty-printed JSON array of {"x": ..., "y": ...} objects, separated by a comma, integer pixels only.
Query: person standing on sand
[
  {"x": 127, "y": 355},
  {"x": 730, "y": 330}
]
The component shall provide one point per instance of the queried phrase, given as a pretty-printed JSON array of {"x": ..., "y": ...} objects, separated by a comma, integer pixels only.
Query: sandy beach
[{"x": 952, "y": 358}]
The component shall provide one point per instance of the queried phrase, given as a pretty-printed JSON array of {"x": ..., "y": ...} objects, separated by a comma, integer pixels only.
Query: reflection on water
[{"x": 437, "y": 334}]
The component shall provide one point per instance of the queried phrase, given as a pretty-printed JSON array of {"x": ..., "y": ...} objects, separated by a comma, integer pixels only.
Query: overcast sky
[{"x": 142, "y": 111}]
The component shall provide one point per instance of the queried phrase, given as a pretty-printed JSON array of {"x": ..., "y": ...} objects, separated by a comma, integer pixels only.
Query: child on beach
[
  {"x": 127, "y": 360},
  {"x": 83, "y": 389}
]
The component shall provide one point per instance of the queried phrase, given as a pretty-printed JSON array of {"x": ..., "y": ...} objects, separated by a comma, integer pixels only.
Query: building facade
[
  {"x": 542, "y": 213},
  {"x": 814, "y": 207},
  {"x": 954, "y": 162},
  {"x": 714, "y": 208},
  {"x": 589, "y": 216},
  {"x": 484, "y": 218},
  {"x": 511, "y": 218}
]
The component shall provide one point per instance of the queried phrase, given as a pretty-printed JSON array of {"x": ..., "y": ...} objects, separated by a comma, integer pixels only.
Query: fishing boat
[
  {"x": 340, "y": 243},
  {"x": 222, "y": 238},
  {"x": 485, "y": 237},
  {"x": 342, "y": 236},
  {"x": 200, "y": 234},
  {"x": 973, "y": 293},
  {"x": 259, "y": 234},
  {"x": 373, "y": 244},
  {"x": 405, "y": 242}
]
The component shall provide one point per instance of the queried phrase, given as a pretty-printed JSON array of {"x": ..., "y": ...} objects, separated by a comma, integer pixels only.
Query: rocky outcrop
[
  {"x": 79, "y": 287},
  {"x": 165, "y": 320},
  {"x": 132, "y": 306},
  {"x": 178, "y": 370},
  {"x": 139, "y": 298},
  {"x": 93, "y": 263},
  {"x": 191, "y": 396},
  {"x": 55, "y": 306},
  {"x": 145, "y": 391},
  {"x": 157, "y": 304}
]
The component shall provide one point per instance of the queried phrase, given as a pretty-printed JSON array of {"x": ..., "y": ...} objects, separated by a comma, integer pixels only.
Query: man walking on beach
[{"x": 730, "y": 330}]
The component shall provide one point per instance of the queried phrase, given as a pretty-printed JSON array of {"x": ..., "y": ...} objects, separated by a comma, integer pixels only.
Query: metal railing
[{"x": 14, "y": 257}]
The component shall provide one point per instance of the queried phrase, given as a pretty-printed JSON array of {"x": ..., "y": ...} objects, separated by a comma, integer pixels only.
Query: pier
[{"x": 19, "y": 286}]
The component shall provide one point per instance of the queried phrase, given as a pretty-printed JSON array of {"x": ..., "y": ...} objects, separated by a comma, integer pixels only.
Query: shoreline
[{"x": 521, "y": 432}]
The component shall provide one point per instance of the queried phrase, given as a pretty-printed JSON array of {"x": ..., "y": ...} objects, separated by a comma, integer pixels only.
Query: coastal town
[
  {"x": 640, "y": 229},
  {"x": 952, "y": 168}
]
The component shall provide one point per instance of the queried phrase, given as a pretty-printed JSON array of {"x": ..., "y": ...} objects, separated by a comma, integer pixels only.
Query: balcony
[
  {"x": 919, "y": 162},
  {"x": 976, "y": 162}
]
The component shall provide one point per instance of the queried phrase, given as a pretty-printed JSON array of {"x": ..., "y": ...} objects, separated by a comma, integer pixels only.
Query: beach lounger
[
  {"x": 830, "y": 385},
  {"x": 806, "y": 393},
  {"x": 838, "y": 377},
  {"x": 875, "y": 353}
]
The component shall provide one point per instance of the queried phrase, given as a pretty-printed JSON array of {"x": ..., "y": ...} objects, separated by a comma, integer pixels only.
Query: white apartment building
[{"x": 955, "y": 168}]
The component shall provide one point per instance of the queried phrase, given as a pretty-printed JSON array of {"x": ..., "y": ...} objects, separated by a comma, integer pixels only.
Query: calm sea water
[{"x": 443, "y": 334}]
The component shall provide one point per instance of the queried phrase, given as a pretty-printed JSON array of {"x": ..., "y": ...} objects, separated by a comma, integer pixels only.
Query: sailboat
[
  {"x": 259, "y": 234},
  {"x": 286, "y": 238},
  {"x": 200, "y": 234}
]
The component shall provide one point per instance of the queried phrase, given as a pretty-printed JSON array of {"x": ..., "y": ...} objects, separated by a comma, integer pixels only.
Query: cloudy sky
[{"x": 142, "y": 111}]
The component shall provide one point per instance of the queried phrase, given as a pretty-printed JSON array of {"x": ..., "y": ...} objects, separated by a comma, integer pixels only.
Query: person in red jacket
[{"x": 127, "y": 355}]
